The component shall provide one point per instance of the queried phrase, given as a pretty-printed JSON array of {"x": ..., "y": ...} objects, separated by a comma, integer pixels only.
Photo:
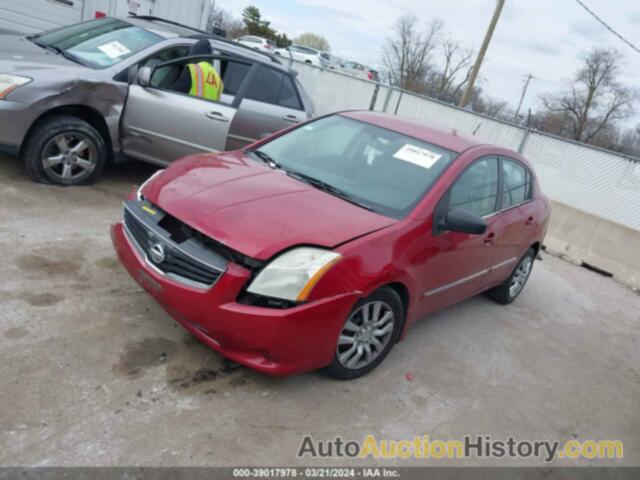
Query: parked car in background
[
  {"x": 320, "y": 246},
  {"x": 333, "y": 61},
  {"x": 77, "y": 97},
  {"x": 258, "y": 43},
  {"x": 359, "y": 70},
  {"x": 373, "y": 75},
  {"x": 304, "y": 54}
]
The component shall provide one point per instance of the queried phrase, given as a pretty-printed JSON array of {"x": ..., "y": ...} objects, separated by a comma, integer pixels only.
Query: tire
[
  {"x": 505, "y": 293},
  {"x": 343, "y": 366},
  {"x": 65, "y": 150}
]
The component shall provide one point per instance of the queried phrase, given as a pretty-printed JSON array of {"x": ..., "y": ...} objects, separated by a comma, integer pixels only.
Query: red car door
[
  {"x": 512, "y": 225},
  {"x": 458, "y": 261}
]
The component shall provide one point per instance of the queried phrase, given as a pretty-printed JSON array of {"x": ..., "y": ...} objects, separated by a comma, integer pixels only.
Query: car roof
[
  {"x": 305, "y": 46},
  {"x": 448, "y": 138},
  {"x": 168, "y": 30}
]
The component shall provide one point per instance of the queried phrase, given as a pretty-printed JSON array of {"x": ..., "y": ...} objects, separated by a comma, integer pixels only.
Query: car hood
[
  {"x": 19, "y": 55},
  {"x": 253, "y": 209}
]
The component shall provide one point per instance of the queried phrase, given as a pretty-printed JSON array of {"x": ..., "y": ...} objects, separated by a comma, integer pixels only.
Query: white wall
[
  {"x": 32, "y": 16},
  {"x": 193, "y": 13}
]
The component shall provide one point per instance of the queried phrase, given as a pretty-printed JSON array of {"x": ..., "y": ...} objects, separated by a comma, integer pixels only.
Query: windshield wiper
[
  {"x": 266, "y": 158},
  {"x": 328, "y": 188},
  {"x": 269, "y": 160},
  {"x": 58, "y": 50}
]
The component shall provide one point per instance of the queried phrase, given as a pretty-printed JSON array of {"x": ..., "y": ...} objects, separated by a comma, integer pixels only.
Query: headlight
[
  {"x": 144, "y": 184},
  {"x": 292, "y": 275},
  {"x": 8, "y": 83}
]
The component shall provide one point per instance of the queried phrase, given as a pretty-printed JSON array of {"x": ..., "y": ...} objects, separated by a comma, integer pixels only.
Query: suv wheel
[
  {"x": 65, "y": 150},
  {"x": 508, "y": 291},
  {"x": 368, "y": 335}
]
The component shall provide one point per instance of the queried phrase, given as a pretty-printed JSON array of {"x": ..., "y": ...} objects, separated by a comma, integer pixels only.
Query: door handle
[
  {"x": 529, "y": 221},
  {"x": 216, "y": 116},
  {"x": 488, "y": 240},
  {"x": 291, "y": 119}
]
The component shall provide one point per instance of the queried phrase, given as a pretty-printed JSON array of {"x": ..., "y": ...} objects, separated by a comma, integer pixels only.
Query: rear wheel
[
  {"x": 368, "y": 335},
  {"x": 509, "y": 290},
  {"x": 65, "y": 150}
]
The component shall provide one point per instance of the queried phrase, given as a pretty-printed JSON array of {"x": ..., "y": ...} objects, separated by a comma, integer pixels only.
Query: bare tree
[
  {"x": 489, "y": 106},
  {"x": 446, "y": 82},
  {"x": 224, "y": 20},
  {"x": 596, "y": 98},
  {"x": 407, "y": 54},
  {"x": 313, "y": 40},
  {"x": 630, "y": 141}
]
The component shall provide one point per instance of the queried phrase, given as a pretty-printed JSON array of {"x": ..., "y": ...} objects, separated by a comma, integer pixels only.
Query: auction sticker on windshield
[
  {"x": 417, "y": 155},
  {"x": 114, "y": 49}
]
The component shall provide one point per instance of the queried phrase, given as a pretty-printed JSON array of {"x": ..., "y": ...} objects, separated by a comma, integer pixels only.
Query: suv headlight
[
  {"x": 292, "y": 275},
  {"x": 8, "y": 83}
]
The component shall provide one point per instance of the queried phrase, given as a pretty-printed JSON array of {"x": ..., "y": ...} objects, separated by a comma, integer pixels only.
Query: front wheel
[
  {"x": 65, "y": 150},
  {"x": 508, "y": 291},
  {"x": 368, "y": 335}
]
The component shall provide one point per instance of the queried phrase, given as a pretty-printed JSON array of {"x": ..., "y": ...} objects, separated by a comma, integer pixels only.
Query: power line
[{"x": 606, "y": 25}]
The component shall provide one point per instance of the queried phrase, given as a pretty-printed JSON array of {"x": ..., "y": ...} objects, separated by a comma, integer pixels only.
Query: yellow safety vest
[{"x": 205, "y": 81}]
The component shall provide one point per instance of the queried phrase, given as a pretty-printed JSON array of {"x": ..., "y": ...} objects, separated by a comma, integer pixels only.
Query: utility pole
[
  {"x": 483, "y": 49},
  {"x": 524, "y": 92}
]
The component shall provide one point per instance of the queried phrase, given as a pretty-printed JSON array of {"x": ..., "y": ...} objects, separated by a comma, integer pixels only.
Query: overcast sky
[{"x": 542, "y": 37}]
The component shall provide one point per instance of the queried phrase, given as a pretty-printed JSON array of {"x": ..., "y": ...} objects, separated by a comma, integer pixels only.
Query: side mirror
[
  {"x": 463, "y": 221},
  {"x": 144, "y": 76}
]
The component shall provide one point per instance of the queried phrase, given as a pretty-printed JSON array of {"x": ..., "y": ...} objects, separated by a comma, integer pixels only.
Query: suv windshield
[
  {"x": 98, "y": 43},
  {"x": 378, "y": 169}
]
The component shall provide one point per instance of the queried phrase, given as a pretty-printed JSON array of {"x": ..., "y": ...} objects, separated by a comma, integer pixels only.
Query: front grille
[{"x": 190, "y": 261}]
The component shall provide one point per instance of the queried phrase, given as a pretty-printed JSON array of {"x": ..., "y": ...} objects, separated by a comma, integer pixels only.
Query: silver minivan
[{"x": 75, "y": 98}]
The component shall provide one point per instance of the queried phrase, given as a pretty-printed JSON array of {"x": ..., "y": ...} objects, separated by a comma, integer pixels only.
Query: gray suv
[{"x": 75, "y": 98}]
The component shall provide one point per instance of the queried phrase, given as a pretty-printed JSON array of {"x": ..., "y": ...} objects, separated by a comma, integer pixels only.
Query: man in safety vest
[{"x": 200, "y": 79}]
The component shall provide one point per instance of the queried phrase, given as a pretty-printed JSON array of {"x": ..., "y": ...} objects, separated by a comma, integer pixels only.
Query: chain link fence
[{"x": 587, "y": 178}]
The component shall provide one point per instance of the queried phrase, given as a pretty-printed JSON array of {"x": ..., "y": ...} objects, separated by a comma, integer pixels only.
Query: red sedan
[{"x": 319, "y": 246}]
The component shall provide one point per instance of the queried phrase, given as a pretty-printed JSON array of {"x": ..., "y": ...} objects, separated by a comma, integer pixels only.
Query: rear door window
[
  {"x": 265, "y": 86},
  {"x": 232, "y": 74},
  {"x": 516, "y": 182},
  {"x": 288, "y": 96},
  {"x": 274, "y": 87}
]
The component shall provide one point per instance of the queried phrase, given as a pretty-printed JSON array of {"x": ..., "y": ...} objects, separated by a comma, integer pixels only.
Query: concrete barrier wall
[{"x": 583, "y": 238}]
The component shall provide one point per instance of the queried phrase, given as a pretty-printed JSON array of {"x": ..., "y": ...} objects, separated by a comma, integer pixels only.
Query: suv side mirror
[
  {"x": 144, "y": 76},
  {"x": 463, "y": 221}
]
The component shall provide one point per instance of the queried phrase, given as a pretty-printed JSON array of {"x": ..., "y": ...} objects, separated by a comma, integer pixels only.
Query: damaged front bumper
[
  {"x": 15, "y": 120},
  {"x": 271, "y": 340}
]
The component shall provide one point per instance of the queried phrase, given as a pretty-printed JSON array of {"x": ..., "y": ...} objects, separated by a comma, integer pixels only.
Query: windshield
[
  {"x": 379, "y": 169},
  {"x": 98, "y": 43}
]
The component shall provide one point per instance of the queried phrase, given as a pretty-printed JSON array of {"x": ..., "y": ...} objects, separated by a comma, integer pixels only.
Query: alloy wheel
[
  {"x": 365, "y": 335},
  {"x": 69, "y": 157},
  {"x": 520, "y": 276}
]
